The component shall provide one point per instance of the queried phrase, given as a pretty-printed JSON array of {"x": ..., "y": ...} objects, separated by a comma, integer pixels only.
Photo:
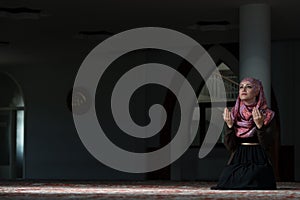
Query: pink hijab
[{"x": 242, "y": 114}]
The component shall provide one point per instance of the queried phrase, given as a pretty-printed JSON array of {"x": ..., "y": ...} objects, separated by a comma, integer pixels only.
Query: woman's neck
[{"x": 249, "y": 102}]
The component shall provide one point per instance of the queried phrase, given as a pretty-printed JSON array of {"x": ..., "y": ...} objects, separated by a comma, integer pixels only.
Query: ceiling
[{"x": 40, "y": 30}]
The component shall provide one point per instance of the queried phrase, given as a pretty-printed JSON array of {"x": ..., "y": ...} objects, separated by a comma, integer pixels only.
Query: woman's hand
[
  {"x": 258, "y": 118},
  {"x": 227, "y": 118}
]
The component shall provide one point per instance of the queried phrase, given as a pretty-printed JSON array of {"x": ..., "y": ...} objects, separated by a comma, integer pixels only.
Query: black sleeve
[
  {"x": 230, "y": 139},
  {"x": 265, "y": 135}
]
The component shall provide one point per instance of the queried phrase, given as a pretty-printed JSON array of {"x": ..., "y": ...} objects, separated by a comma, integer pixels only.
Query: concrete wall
[
  {"x": 285, "y": 76},
  {"x": 53, "y": 149}
]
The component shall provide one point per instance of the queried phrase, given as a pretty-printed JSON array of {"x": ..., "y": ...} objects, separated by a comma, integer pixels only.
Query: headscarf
[{"x": 242, "y": 114}]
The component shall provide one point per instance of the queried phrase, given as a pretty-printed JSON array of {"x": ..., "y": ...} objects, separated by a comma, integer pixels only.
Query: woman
[{"x": 248, "y": 136}]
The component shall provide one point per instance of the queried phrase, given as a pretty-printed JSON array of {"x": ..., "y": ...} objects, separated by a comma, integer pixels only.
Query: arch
[
  {"x": 12, "y": 118},
  {"x": 220, "y": 54},
  {"x": 14, "y": 94}
]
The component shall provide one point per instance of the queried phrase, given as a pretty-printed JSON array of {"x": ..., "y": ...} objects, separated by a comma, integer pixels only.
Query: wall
[
  {"x": 285, "y": 72},
  {"x": 54, "y": 151}
]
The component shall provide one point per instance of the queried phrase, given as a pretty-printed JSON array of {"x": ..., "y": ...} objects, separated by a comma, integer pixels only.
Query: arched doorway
[
  {"x": 230, "y": 80},
  {"x": 11, "y": 128},
  {"x": 227, "y": 65},
  {"x": 190, "y": 166}
]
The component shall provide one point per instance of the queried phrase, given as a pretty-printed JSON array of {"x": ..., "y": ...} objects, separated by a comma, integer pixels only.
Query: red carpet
[{"x": 138, "y": 190}]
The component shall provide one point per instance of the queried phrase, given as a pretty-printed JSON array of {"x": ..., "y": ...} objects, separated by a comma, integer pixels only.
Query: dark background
[{"x": 43, "y": 43}]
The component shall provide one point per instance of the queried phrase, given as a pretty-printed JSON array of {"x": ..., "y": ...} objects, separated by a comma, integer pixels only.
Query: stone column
[{"x": 255, "y": 44}]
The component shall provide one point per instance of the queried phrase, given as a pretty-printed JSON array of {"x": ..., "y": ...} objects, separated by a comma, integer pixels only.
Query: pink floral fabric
[{"x": 242, "y": 114}]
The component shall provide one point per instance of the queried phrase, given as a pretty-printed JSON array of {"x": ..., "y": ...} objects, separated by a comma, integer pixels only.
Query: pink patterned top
[{"x": 242, "y": 114}]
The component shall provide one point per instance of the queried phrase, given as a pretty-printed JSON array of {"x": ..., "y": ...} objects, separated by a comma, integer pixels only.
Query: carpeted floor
[{"x": 138, "y": 190}]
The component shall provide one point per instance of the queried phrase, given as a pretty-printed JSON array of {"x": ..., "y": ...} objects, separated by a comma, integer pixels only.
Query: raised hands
[
  {"x": 258, "y": 117},
  {"x": 227, "y": 118}
]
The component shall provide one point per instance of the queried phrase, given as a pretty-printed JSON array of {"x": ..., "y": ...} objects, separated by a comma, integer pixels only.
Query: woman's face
[{"x": 247, "y": 92}]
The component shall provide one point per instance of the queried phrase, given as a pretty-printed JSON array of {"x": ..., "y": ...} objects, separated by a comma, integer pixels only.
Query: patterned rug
[{"x": 138, "y": 190}]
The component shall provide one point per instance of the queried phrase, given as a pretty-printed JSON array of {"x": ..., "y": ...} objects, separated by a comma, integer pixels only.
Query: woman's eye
[{"x": 246, "y": 86}]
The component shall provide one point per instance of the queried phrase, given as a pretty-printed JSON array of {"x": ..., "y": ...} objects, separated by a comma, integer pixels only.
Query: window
[{"x": 230, "y": 81}]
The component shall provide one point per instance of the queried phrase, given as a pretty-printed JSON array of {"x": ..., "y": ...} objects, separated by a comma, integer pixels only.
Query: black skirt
[{"x": 250, "y": 168}]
